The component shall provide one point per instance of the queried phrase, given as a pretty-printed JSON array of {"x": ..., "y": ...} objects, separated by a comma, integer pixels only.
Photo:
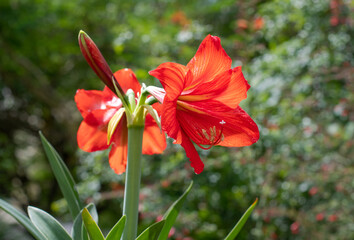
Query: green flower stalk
[{"x": 122, "y": 123}]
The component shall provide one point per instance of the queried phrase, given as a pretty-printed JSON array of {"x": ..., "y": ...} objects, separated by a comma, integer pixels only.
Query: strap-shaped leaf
[
  {"x": 91, "y": 226},
  {"x": 117, "y": 230},
  {"x": 47, "y": 224},
  {"x": 172, "y": 213},
  {"x": 79, "y": 231},
  {"x": 22, "y": 219},
  {"x": 234, "y": 232},
  {"x": 64, "y": 178},
  {"x": 152, "y": 232}
]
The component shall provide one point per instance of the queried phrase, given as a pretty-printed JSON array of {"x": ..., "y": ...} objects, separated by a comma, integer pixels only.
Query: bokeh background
[{"x": 298, "y": 58}]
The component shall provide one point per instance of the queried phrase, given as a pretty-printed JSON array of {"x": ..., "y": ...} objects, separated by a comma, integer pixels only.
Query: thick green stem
[{"x": 132, "y": 181}]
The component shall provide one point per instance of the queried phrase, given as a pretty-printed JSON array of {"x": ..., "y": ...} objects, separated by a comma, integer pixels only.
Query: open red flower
[
  {"x": 98, "y": 107},
  {"x": 201, "y": 102}
]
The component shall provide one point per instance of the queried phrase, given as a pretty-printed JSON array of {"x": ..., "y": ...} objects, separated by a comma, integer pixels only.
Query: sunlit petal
[
  {"x": 171, "y": 76},
  {"x": 89, "y": 100},
  {"x": 239, "y": 129},
  {"x": 119, "y": 151},
  {"x": 169, "y": 121},
  {"x": 209, "y": 61},
  {"x": 92, "y": 138},
  {"x": 192, "y": 154},
  {"x": 127, "y": 80},
  {"x": 236, "y": 90},
  {"x": 100, "y": 117},
  {"x": 154, "y": 141},
  {"x": 208, "y": 90},
  {"x": 111, "y": 99}
]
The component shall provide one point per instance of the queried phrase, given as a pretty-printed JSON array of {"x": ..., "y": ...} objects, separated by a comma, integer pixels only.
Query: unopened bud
[{"x": 95, "y": 59}]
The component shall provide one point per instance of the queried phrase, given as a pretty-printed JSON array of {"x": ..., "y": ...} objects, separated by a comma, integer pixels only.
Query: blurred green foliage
[{"x": 297, "y": 57}]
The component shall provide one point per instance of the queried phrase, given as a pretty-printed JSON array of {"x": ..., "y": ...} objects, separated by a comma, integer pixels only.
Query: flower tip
[
  {"x": 81, "y": 36},
  {"x": 198, "y": 169}
]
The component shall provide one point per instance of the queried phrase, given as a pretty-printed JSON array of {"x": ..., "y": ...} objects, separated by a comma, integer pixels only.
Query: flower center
[{"x": 212, "y": 136}]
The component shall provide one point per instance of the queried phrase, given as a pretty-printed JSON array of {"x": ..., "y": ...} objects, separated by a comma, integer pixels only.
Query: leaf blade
[
  {"x": 22, "y": 219},
  {"x": 152, "y": 232},
  {"x": 63, "y": 176},
  {"x": 47, "y": 224},
  {"x": 234, "y": 232},
  {"x": 78, "y": 230},
  {"x": 92, "y": 228},
  {"x": 172, "y": 213},
  {"x": 117, "y": 230}
]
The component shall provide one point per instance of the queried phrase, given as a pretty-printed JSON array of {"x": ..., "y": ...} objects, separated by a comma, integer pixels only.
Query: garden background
[{"x": 296, "y": 55}]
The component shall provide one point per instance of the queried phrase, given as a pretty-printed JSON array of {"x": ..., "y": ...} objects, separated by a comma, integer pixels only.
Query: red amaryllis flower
[
  {"x": 98, "y": 107},
  {"x": 201, "y": 102}
]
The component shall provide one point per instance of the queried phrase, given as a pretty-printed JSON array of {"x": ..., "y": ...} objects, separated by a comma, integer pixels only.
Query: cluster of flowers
[{"x": 199, "y": 103}]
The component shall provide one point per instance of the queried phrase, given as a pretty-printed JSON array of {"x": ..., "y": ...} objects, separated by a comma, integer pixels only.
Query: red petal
[
  {"x": 208, "y": 90},
  {"x": 197, "y": 125},
  {"x": 158, "y": 107},
  {"x": 92, "y": 138},
  {"x": 206, "y": 107},
  {"x": 110, "y": 99},
  {"x": 209, "y": 61},
  {"x": 192, "y": 154},
  {"x": 169, "y": 121},
  {"x": 87, "y": 101},
  {"x": 171, "y": 76},
  {"x": 236, "y": 91},
  {"x": 239, "y": 129},
  {"x": 100, "y": 117},
  {"x": 127, "y": 80},
  {"x": 154, "y": 142},
  {"x": 118, "y": 154}
]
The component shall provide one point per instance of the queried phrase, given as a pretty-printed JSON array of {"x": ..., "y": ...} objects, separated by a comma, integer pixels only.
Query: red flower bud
[{"x": 95, "y": 59}]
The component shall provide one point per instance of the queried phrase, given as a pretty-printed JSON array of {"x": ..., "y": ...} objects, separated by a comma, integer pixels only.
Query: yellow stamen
[{"x": 205, "y": 134}]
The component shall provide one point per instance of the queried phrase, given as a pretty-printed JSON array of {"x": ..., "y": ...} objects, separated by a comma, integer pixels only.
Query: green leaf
[
  {"x": 79, "y": 231},
  {"x": 47, "y": 224},
  {"x": 171, "y": 214},
  {"x": 241, "y": 222},
  {"x": 64, "y": 178},
  {"x": 117, "y": 230},
  {"x": 152, "y": 232},
  {"x": 22, "y": 219},
  {"x": 91, "y": 226}
]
